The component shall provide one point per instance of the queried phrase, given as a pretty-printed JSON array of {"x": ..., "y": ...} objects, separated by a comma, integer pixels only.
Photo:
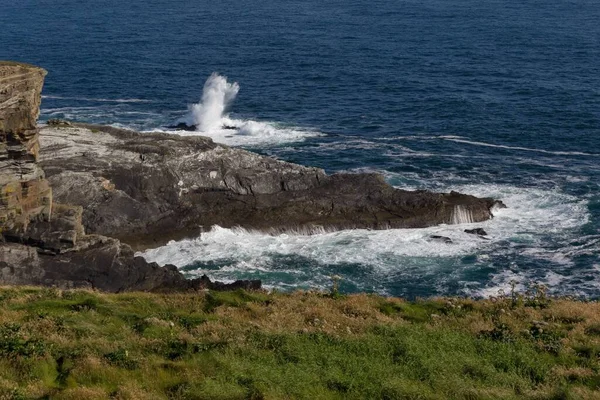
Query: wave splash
[
  {"x": 210, "y": 117},
  {"x": 217, "y": 96}
]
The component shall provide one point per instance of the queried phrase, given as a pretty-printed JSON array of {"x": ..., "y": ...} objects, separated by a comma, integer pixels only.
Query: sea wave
[{"x": 521, "y": 230}]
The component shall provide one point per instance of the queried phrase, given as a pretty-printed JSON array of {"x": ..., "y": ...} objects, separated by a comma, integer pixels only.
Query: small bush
[
  {"x": 121, "y": 358},
  {"x": 13, "y": 343},
  {"x": 593, "y": 330}
]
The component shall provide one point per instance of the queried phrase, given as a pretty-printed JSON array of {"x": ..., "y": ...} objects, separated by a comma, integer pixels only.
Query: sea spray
[
  {"x": 209, "y": 116},
  {"x": 217, "y": 95}
]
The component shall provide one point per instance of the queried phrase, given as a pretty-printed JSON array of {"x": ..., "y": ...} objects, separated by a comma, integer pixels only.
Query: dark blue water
[{"x": 495, "y": 98}]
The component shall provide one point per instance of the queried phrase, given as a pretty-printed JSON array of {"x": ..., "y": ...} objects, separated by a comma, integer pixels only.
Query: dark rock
[
  {"x": 182, "y": 127},
  {"x": 498, "y": 204},
  {"x": 438, "y": 238},
  {"x": 147, "y": 189},
  {"x": 476, "y": 231},
  {"x": 99, "y": 263},
  {"x": 58, "y": 122}
]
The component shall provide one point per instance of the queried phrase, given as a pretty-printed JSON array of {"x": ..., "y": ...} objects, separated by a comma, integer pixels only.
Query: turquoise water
[{"x": 495, "y": 98}]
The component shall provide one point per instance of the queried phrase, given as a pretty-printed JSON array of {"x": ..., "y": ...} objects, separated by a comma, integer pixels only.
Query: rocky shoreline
[{"x": 77, "y": 202}]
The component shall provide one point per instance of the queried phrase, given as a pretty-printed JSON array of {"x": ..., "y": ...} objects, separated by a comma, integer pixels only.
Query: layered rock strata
[
  {"x": 146, "y": 189},
  {"x": 24, "y": 193}
]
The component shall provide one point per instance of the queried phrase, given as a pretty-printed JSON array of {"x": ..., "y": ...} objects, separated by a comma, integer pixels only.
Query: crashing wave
[{"x": 210, "y": 117}]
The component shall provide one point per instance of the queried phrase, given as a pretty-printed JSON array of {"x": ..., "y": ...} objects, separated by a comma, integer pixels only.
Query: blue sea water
[{"x": 493, "y": 98}]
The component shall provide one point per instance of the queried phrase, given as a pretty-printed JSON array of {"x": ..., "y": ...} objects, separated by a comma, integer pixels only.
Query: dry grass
[{"x": 84, "y": 344}]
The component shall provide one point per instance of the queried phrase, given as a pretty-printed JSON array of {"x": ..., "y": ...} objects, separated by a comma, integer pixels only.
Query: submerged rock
[
  {"x": 476, "y": 231},
  {"x": 58, "y": 122},
  {"x": 438, "y": 238},
  {"x": 182, "y": 126}
]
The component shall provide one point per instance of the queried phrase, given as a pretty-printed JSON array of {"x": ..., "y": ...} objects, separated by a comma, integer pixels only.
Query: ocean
[{"x": 496, "y": 98}]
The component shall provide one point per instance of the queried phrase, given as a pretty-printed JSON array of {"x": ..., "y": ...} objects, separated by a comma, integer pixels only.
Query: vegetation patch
[{"x": 241, "y": 345}]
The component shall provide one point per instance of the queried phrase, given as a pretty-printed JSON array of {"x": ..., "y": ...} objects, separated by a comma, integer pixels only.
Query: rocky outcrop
[
  {"x": 118, "y": 190},
  {"x": 99, "y": 263},
  {"x": 24, "y": 193},
  {"x": 146, "y": 189},
  {"x": 44, "y": 243}
]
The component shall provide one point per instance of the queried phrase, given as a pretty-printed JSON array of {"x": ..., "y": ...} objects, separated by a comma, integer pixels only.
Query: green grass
[{"x": 304, "y": 345}]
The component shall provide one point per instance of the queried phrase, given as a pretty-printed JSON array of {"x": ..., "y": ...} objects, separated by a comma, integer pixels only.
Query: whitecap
[{"x": 459, "y": 139}]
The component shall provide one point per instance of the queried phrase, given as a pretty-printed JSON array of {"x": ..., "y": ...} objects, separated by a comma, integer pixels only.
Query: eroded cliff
[{"x": 24, "y": 193}]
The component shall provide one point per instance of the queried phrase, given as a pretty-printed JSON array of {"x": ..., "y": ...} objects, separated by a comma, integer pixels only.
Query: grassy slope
[{"x": 81, "y": 344}]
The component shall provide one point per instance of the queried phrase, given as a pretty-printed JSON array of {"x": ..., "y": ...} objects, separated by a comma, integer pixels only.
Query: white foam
[
  {"x": 462, "y": 215},
  {"x": 211, "y": 119},
  {"x": 251, "y": 133},
  {"x": 350, "y": 246},
  {"x": 532, "y": 215},
  {"x": 217, "y": 96},
  {"x": 533, "y": 210},
  {"x": 459, "y": 139},
  {"x": 507, "y": 281},
  {"x": 502, "y": 284}
]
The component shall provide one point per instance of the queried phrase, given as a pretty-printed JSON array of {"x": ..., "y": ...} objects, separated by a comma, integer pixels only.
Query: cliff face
[{"x": 24, "y": 193}]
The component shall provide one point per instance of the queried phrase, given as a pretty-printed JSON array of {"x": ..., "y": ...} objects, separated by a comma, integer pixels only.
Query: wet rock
[
  {"x": 444, "y": 239},
  {"x": 476, "y": 231},
  {"x": 182, "y": 127},
  {"x": 58, "y": 122},
  {"x": 192, "y": 128}
]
